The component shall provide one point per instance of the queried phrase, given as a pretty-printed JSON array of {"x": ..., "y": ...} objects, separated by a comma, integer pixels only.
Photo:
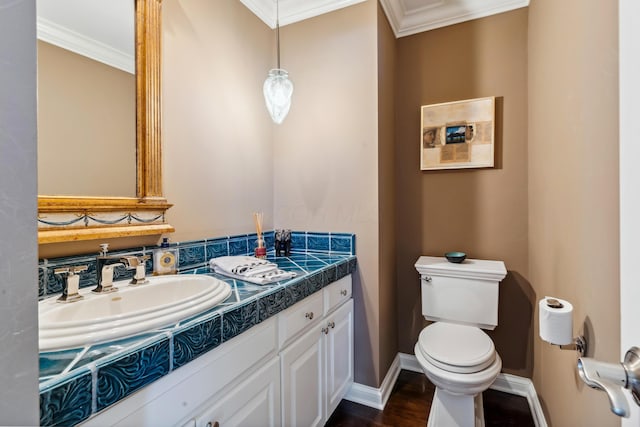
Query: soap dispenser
[{"x": 165, "y": 259}]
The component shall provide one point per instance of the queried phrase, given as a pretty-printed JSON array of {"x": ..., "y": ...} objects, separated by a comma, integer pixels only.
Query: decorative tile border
[
  {"x": 67, "y": 404},
  {"x": 194, "y": 341},
  {"x": 118, "y": 379}
]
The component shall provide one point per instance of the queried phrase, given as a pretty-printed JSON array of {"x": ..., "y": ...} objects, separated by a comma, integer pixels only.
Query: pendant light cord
[{"x": 278, "y": 31}]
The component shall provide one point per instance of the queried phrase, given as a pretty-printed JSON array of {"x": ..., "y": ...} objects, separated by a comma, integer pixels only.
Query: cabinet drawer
[
  {"x": 297, "y": 318},
  {"x": 337, "y": 293}
]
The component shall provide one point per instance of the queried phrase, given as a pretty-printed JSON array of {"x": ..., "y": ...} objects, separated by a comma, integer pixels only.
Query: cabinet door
[
  {"x": 302, "y": 381},
  {"x": 339, "y": 355},
  {"x": 255, "y": 401}
]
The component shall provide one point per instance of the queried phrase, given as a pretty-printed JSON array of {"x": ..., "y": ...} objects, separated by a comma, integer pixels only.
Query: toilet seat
[{"x": 456, "y": 348}]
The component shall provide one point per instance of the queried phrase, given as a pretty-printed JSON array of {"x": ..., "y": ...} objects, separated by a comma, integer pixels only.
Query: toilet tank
[{"x": 465, "y": 293}]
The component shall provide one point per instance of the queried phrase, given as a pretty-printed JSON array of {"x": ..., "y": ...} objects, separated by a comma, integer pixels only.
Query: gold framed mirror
[{"x": 74, "y": 218}]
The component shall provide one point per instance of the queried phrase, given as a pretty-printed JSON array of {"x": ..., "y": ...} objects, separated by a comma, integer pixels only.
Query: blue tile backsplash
[
  {"x": 194, "y": 254},
  {"x": 76, "y": 383}
]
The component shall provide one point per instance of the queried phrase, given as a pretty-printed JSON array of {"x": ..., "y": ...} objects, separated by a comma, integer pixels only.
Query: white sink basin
[{"x": 133, "y": 309}]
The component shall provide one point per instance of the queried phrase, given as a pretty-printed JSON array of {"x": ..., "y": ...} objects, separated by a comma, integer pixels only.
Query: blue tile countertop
[{"x": 74, "y": 384}]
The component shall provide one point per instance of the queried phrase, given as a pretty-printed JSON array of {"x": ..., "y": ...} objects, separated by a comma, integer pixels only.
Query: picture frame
[{"x": 458, "y": 135}]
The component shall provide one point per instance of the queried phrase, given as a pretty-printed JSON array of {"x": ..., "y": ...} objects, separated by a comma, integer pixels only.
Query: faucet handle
[
  {"x": 62, "y": 270},
  {"x": 70, "y": 290},
  {"x": 130, "y": 261},
  {"x": 71, "y": 269},
  {"x": 78, "y": 268},
  {"x": 137, "y": 263},
  {"x": 133, "y": 261}
]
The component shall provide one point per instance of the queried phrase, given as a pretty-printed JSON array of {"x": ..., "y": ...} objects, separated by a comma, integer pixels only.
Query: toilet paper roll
[{"x": 556, "y": 320}]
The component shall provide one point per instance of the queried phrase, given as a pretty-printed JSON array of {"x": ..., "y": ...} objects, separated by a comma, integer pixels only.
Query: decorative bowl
[{"x": 455, "y": 257}]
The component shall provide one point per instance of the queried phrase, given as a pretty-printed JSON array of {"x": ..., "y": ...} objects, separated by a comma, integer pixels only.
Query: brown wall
[
  {"x": 86, "y": 126},
  {"x": 573, "y": 193},
  {"x": 387, "y": 192},
  {"x": 482, "y": 212}
]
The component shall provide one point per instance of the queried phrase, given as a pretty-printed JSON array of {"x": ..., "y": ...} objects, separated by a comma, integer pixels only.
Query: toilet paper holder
[
  {"x": 580, "y": 342},
  {"x": 579, "y": 345}
]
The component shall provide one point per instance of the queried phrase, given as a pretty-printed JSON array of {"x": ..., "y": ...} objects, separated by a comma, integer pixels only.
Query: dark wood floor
[{"x": 410, "y": 401}]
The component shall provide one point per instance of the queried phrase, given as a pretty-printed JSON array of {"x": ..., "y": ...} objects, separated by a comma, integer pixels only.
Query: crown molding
[
  {"x": 406, "y": 21},
  {"x": 66, "y": 38},
  {"x": 291, "y": 11}
]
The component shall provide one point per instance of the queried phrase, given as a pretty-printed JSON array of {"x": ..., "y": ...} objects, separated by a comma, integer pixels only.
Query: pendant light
[{"x": 277, "y": 87}]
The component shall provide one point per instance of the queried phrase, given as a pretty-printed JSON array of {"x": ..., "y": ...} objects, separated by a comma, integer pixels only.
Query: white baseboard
[{"x": 377, "y": 397}]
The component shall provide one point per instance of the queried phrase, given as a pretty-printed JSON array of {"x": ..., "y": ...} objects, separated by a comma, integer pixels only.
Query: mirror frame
[{"x": 74, "y": 218}]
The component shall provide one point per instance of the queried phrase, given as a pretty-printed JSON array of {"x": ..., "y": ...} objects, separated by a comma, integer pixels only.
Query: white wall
[{"x": 18, "y": 247}]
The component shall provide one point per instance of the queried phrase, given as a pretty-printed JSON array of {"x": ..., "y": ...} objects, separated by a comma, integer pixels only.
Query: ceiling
[{"x": 405, "y": 16}]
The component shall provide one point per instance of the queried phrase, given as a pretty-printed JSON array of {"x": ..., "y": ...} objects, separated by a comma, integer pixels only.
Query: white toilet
[{"x": 454, "y": 353}]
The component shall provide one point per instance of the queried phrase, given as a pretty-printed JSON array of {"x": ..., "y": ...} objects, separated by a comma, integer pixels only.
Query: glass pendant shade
[{"x": 277, "y": 94}]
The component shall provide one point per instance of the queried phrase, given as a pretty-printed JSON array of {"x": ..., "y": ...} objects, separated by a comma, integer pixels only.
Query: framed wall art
[{"x": 457, "y": 135}]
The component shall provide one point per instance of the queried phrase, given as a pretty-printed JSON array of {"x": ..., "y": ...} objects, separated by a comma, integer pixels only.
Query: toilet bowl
[
  {"x": 461, "y": 362},
  {"x": 456, "y": 355}
]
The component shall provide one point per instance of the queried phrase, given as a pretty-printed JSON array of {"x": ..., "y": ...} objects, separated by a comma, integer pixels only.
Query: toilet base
[{"x": 449, "y": 410}]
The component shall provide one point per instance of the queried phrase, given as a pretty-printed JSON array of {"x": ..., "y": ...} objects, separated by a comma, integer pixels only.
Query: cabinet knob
[
  {"x": 214, "y": 424},
  {"x": 331, "y": 325},
  {"x": 325, "y": 330},
  {"x": 309, "y": 315},
  {"x": 426, "y": 279},
  {"x": 343, "y": 292}
]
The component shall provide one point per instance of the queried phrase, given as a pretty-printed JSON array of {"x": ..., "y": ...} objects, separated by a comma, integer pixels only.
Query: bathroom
[{"x": 548, "y": 209}]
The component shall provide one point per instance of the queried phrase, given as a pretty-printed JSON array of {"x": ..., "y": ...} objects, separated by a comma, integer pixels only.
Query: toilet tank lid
[{"x": 470, "y": 268}]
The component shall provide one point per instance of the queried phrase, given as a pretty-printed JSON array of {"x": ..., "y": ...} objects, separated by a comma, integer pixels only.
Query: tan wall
[
  {"x": 573, "y": 192},
  {"x": 217, "y": 134},
  {"x": 86, "y": 126},
  {"x": 482, "y": 212},
  {"x": 326, "y": 151},
  {"x": 387, "y": 192}
]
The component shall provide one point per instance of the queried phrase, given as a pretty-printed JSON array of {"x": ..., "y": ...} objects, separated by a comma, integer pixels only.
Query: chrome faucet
[
  {"x": 104, "y": 270},
  {"x": 72, "y": 282},
  {"x": 136, "y": 263},
  {"x": 613, "y": 377}
]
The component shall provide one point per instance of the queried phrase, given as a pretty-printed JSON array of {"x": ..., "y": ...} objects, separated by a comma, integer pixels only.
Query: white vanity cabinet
[
  {"x": 253, "y": 402},
  {"x": 317, "y": 367},
  {"x": 291, "y": 369},
  {"x": 339, "y": 355}
]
